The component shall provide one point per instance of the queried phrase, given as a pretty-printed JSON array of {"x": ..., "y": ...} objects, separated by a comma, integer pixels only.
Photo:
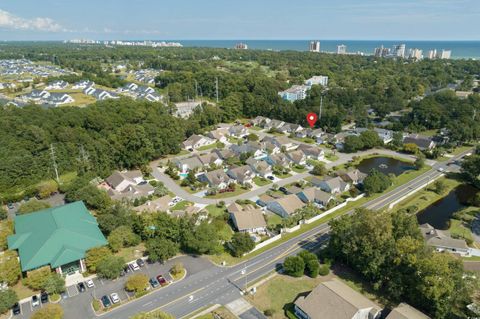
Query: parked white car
[
  {"x": 90, "y": 283},
  {"x": 134, "y": 266},
  {"x": 115, "y": 298}
]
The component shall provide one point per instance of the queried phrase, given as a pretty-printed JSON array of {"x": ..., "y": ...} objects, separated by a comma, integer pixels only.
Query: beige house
[
  {"x": 285, "y": 206},
  {"x": 250, "y": 221},
  {"x": 335, "y": 300},
  {"x": 405, "y": 311},
  {"x": 161, "y": 204}
]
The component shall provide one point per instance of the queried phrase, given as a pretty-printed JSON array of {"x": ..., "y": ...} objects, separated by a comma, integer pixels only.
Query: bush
[
  {"x": 136, "y": 283},
  {"x": 177, "y": 269},
  {"x": 37, "y": 278},
  {"x": 110, "y": 267},
  {"x": 294, "y": 266},
  {"x": 33, "y": 205},
  {"x": 269, "y": 312},
  {"x": 96, "y": 304},
  {"x": 7, "y": 299},
  {"x": 323, "y": 270}
]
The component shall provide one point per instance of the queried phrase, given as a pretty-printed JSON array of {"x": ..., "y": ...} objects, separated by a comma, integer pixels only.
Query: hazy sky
[{"x": 240, "y": 19}]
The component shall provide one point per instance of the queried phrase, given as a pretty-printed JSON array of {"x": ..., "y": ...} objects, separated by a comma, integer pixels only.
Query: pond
[
  {"x": 439, "y": 213},
  {"x": 386, "y": 165}
]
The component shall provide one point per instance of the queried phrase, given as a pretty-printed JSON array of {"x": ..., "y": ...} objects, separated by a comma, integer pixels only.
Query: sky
[{"x": 240, "y": 19}]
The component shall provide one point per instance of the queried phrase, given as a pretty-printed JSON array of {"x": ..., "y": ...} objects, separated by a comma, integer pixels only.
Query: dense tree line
[{"x": 388, "y": 250}]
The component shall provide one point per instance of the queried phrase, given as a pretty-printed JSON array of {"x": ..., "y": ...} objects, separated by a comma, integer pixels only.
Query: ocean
[{"x": 460, "y": 49}]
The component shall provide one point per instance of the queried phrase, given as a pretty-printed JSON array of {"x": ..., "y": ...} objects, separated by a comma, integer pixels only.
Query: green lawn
[
  {"x": 131, "y": 253},
  {"x": 215, "y": 211},
  {"x": 238, "y": 191},
  {"x": 454, "y": 152},
  {"x": 331, "y": 157},
  {"x": 207, "y": 147},
  {"x": 273, "y": 220},
  {"x": 256, "y": 128},
  {"x": 457, "y": 228},
  {"x": 181, "y": 205},
  {"x": 307, "y": 140},
  {"x": 260, "y": 181},
  {"x": 282, "y": 176},
  {"x": 298, "y": 170},
  {"x": 23, "y": 291},
  {"x": 429, "y": 133}
]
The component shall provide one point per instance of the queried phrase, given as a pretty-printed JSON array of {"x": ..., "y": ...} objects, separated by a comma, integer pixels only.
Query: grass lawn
[
  {"x": 307, "y": 140},
  {"x": 256, "y": 128},
  {"x": 454, "y": 152},
  {"x": 207, "y": 147},
  {"x": 273, "y": 220},
  {"x": 260, "y": 181},
  {"x": 298, "y": 170},
  {"x": 331, "y": 157},
  {"x": 238, "y": 191},
  {"x": 429, "y": 133},
  {"x": 23, "y": 291},
  {"x": 426, "y": 197},
  {"x": 182, "y": 205},
  {"x": 280, "y": 291},
  {"x": 234, "y": 140},
  {"x": 282, "y": 176},
  {"x": 215, "y": 211},
  {"x": 457, "y": 228},
  {"x": 221, "y": 312},
  {"x": 131, "y": 253}
]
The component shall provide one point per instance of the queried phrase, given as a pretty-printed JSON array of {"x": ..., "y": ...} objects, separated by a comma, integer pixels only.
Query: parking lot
[{"x": 76, "y": 304}]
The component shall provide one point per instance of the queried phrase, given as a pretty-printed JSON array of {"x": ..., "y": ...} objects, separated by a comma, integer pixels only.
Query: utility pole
[
  {"x": 83, "y": 157},
  {"x": 52, "y": 151},
  {"x": 196, "y": 90},
  {"x": 321, "y": 105},
  {"x": 216, "y": 88}
]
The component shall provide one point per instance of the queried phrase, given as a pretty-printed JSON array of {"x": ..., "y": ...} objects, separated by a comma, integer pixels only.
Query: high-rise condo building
[
  {"x": 314, "y": 46},
  {"x": 341, "y": 49}
]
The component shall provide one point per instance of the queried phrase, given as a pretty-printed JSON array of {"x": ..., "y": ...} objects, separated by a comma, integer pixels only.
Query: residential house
[
  {"x": 132, "y": 192},
  {"x": 209, "y": 159},
  {"x": 59, "y": 99},
  {"x": 334, "y": 185},
  {"x": 83, "y": 84},
  {"x": 185, "y": 109},
  {"x": 334, "y": 299},
  {"x": 279, "y": 159},
  {"x": 315, "y": 195},
  {"x": 274, "y": 124},
  {"x": 36, "y": 95},
  {"x": 285, "y": 206},
  {"x": 405, "y": 311},
  {"x": 264, "y": 199},
  {"x": 197, "y": 141},
  {"x": 187, "y": 164},
  {"x": 312, "y": 152},
  {"x": 443, "y": 242},
  {"x": 260, "y": 121},
  {"x": 385, "y": 135},
  {"x": 150, "y": 96},
  {"x": 289, "y": 128},
  {"x": 234, "y": 208},
  {"x": 238, "y": 131},
  {"x": 220, "y": 134},
  {"x": 129, "y": 87},
  {"x": 294, "y": 190},
  {"x": 161, "y": 204},
  {"x": 297, "y": 157},
  {"x": 253, "y": 148},
  {"x": 216, "y": 178},
  {"x": 353, "y": 177},
  {"x": 89, "y": 90},
  {"x": 119, "y": 181},
  {"x": 424, "y": 143},
  {"x": 269, "y": 147},
  {"x": 260, "y": 167},
  {"x": 242, "y": 174},
  {"x": 57, "y": 85},
  {"x": 249, "y": 221},
  {"x": 101, "y": 95},
  {"x": 224, "y": 154}
]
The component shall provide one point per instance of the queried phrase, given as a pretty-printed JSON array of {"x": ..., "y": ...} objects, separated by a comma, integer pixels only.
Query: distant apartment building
[
  {"x": 445, "y": 54},
  {"x": 381, "y": 52},
  {"x": 296, "y": 92},
  {"x": 241, "y": 46},
  {"x": 314, "y": 46},
  {"x": 341, "y": 49},
  {"x": 317, "y": 80},
  {"x": 399, "y": 50},
  {"x": 432, "y": 54},
  {"x": 415, "y": 54}
]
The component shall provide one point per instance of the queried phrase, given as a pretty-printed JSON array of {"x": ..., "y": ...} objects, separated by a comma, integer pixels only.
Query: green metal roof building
[{"x": 56, "y": 236}]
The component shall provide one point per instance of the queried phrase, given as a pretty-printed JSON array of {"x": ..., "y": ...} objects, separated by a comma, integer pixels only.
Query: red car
[{"x": 162, "y": 281}]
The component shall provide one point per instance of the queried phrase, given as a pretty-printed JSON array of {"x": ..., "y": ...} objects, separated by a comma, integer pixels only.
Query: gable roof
[
  {"x": 438, "y": 238},
  {"x": 333, "y": 299},
  {"x": 312, "y": 194},
  {"x": 290, "y": 203},
  {"x": 55, "y": 236},
  {"x": 405, "y": 311},
  {"x": 248, "y": 219}
]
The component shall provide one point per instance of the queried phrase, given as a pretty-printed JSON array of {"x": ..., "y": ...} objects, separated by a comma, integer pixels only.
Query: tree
[
  {"x": 156, "y": 314},
  {"x": 37, "y": 278},
  {"x": 94, "y": 256},
  {"x": 110, "y": 267},
  {"x": 8, "y": 298},
  {"x": 177, "y": 269},
  {"x": 122, "y": 236},
  {"x": 137, "y": 283},
  {"x": 471, "y": 169},
  {"x": 319, "y": 169},
  {"x": 294, "y": 266},
  {"x": 10, "y": 271},
  {"x": 411, "y": 148},
  {"x": 54, "y": 284},
  {"x": 376, "y": 182},
  {"x": 45, "y": 189},
  {"x": 352, "y": 144},
  {"x": 439, "y": 187},
  {"x": 49, "y": 311},
  {"x": 93, "y": 197},
  {"x": 311, "y": 263},
  {"x": 241, "y": 244},
  {"x": 370, "y": 139},
  {"x": 203, "y": 239},
  {"x": 420, "y": 161},
  {"x": 161, "y": 249},
  {"x": 33, "y": 205},
  {"x": 397, "y": 139},
  {"x": 3, "y": 213}
]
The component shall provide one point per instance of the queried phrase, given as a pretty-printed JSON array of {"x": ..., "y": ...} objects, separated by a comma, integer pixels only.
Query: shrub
[
  {"x": 269, "y": 312},
  {"x": 294, "y": 266},
  {"x": 96, "y": 304},
  {"x": 136, "y": 283},
  {"x": 323, "y": 270}
]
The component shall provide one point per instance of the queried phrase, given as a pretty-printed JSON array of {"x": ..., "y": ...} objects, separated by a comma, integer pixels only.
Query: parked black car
[
  {"x": 16, "y": 309},
  {"x": 283, "y": 190},
  {"x": 81, "y": 287},
  {"x": 44, "y": 297},
  {"x": 140, "y": 262},
  {"x": 270, "y": 177},
  {"x": 106, "y": 301}
]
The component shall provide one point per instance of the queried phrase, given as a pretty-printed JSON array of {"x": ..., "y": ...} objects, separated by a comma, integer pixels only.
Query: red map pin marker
[{"x": 311, "y": 119}]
